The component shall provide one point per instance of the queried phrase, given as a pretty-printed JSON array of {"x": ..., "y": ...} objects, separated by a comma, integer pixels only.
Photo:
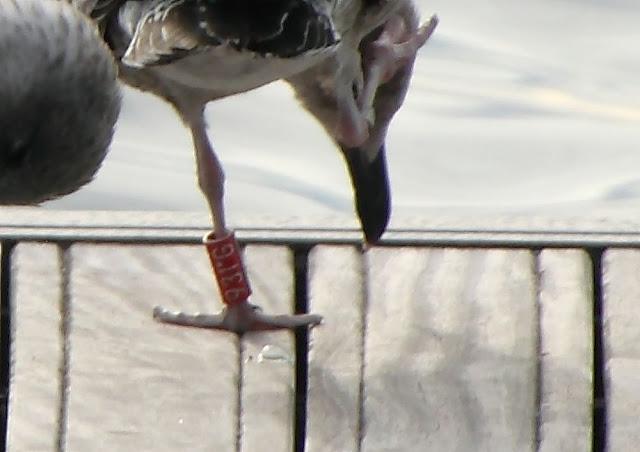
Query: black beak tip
[
  {"x": 374, "y": 220},
  {"x": 372, "y": 195}
]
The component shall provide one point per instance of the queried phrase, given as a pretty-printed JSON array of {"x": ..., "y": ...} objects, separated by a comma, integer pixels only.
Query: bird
[
  {"x": 348, "y": 61},
  {"x": 60, "y": 100}
]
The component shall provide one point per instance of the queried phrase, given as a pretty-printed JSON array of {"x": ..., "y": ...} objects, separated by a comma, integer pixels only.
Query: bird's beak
[{"x": 371, "y": 189}]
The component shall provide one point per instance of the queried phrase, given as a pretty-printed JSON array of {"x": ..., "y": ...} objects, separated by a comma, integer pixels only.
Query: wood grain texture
[
  {"x": 36, "y": 349},
  {"x": 450, "y": 350},
  {"x": 595, "y": 227},
  {"x": 621, "y": 283},
  {"x": 333, "y": 404},
  {"x": 140, "y": 385},
  {"x": 566, "y": 345},
  {"x": 268, "y": 377}
]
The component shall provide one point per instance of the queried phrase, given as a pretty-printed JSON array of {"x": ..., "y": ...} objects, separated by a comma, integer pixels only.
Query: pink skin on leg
[
  {"x": 239, "y": 316},
  {"x": 382, "y": 58},
  {"x": 394, "y": 48}
]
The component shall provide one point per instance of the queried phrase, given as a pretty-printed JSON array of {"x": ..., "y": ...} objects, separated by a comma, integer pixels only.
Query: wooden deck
[{"x": 432, "y": 341}]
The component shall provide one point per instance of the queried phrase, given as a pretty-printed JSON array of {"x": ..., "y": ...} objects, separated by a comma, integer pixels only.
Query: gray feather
[{"x": 60, "y": 100}]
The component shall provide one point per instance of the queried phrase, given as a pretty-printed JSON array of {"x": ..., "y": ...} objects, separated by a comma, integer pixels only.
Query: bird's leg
[
  {"x": 239, "y": 315},
  {"x": 394, "y": 48}
]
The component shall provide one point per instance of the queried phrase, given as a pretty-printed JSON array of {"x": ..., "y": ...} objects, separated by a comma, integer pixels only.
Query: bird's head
[
  {"x": 355, "y": 94},
  {"x": 60, "y": 100}
]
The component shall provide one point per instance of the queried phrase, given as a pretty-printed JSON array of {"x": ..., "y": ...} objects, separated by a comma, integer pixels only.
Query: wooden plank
[
  {"x": 335, "y": 357},
  {"x": 36, "y": 349},
  {"x": 622, "y": 348},
  {"x": 566, "y": 350},
  {"x": 450, "y": 350},
  {"x": 268, "y": 376},
  {"x": 619, "y": 227},
  {"x": 140, "y": 385}
]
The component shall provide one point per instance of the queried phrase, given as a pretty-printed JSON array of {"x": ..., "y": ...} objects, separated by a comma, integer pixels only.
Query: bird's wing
[{"x": 171, "y": 29}]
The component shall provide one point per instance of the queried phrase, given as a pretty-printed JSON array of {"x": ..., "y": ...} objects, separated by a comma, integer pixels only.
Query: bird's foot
[
  {"x": 395, "y": 48},
  {"x": 239, "y": 318}
]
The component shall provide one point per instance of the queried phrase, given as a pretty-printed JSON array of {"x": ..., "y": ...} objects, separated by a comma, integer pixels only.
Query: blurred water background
[{"x": 514, "y": 107}]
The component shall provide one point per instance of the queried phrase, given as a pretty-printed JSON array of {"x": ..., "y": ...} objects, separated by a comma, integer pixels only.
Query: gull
[
  {"x": 60, "y": 100},
  {"x": 349, "y": 62}
]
